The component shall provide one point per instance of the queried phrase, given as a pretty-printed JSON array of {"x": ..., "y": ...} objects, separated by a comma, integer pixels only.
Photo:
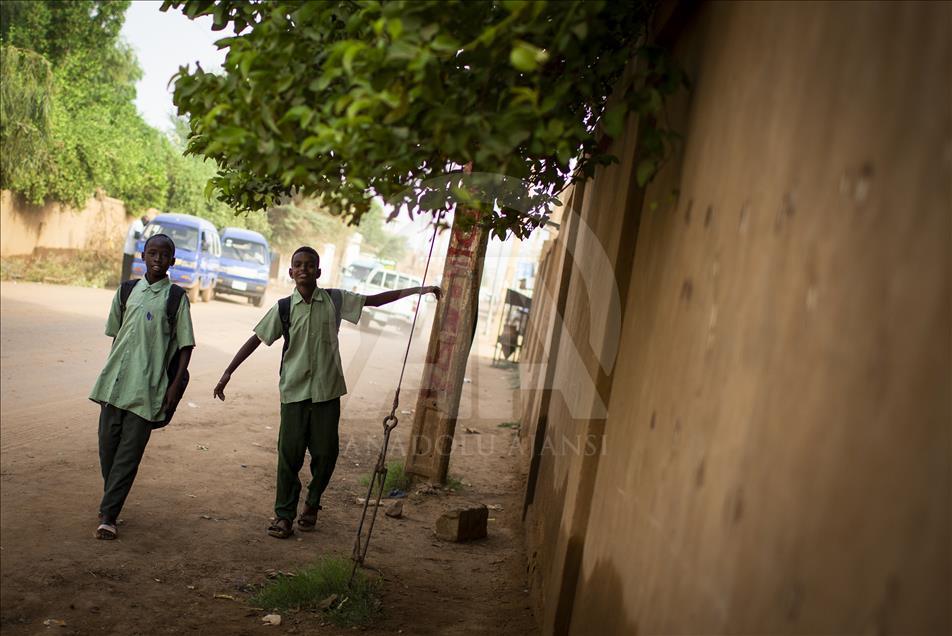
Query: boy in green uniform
[
  {"x": 311, "y": 383},
  {"x": 133, "y": 390}
]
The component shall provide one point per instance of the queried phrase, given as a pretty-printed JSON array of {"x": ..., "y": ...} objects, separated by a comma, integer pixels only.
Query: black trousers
[
  {"x": 311, "y": 427},
  {"x": 123, "y": 436}
]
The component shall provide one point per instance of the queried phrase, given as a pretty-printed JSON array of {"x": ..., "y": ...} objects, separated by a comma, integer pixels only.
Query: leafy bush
[{"x": 70, "y": 125}]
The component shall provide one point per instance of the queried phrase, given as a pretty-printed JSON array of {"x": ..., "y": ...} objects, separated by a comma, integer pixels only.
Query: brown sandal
[
  {"x": 107, "y": 532},
  {"x": 307, "y": 521},
  {"x": 281, "y": 528}
]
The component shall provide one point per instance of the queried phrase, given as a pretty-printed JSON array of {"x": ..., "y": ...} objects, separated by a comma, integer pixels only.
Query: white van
[{"x": 398, "y": 314}]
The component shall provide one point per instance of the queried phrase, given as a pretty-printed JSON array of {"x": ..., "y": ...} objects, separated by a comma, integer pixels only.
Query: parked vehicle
[
  {"x": 398, "y": 314},
  {"x": 356, "y": 273},
  {"x": 245, "y": 264},
  {"x": 197, "y": 253}
]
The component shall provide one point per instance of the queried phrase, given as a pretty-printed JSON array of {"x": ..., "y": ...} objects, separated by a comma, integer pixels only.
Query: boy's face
[
  {"x": 305, "y": 269},
  {"x": 159, "y": 256}
]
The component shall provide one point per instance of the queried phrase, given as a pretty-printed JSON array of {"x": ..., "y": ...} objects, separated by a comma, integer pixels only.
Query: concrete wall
[
  {"x": 101, "y": 224},
  {"x": 776, "y": 449}
]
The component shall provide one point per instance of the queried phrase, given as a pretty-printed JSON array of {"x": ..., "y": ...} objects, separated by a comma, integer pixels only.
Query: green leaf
[
  {"x": 350, "y": 52},
  {"x": 299, "y": 113},
  {"x": 613, "y": 121},
  {"x": 395, "y": 27},
  {"x": 527, "y": 57},
  {"x": 645, "y": 171},
  {"x": 445, "y": 43}
]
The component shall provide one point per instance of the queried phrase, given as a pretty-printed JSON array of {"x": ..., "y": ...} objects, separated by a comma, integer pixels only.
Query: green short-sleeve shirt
[
  {"x": 134, "y": 377},
  {"x": 312, "y": 368}
]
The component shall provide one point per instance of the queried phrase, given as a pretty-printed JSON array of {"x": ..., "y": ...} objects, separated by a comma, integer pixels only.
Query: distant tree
[
  {"x": 347, "y": 100},
  {"x": 57, "y": 30},
  {"x": 302, "y": 221},
  {"x": 377, "y": 240},
  {"x": 26, "y": 96},
  {"x": 95, "y": 136},
  {"x": 188, "y": 176}
]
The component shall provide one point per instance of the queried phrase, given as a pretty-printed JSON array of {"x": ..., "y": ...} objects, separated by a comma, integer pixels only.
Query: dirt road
[{"x": 194, "y": 525}]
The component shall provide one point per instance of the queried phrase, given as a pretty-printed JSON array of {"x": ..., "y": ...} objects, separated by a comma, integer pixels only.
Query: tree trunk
[{"x": 454, "y": 326}]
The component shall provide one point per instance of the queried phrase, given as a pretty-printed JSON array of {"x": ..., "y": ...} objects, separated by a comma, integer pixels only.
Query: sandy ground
[{"x": 194, "y": 525}]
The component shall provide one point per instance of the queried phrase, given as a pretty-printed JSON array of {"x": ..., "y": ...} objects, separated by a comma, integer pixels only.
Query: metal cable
[{"x": 379, "y": 476}]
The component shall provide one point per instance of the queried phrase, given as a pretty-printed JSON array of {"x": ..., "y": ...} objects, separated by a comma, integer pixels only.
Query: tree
[
  {"x": 383, "y": 244},
  {"x": 303, "y": 221},
  {"x": 57, "y": 30},
  {"x": 188, "y": 177},
  {"x": 93, "y": 137},
  {"x": 349, "y": 100},
  {"x": 26, "y": 91}
]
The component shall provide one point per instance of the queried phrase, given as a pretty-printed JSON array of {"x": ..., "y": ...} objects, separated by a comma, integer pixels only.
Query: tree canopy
[
  {"x": 347, "y": 100},
  {"x": 69, "y": 124},
  {"x": 92, "y": 136}
]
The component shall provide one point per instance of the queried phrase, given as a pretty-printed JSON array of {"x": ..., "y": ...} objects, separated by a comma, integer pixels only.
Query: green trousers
[
  {"x": 123, "y": 436},
  {"x": 312, "y": 427}
]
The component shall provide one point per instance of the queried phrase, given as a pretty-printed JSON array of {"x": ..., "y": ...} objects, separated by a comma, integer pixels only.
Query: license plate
[{"x": 240, "y": 285}]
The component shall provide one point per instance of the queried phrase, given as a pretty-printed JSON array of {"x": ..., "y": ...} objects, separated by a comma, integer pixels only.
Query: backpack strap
[
  {"x": 284, "y": 314},
  {"x": 338, "y": 299},
  {"x": 125, "y": 289},
  {"x": 172, "y": 306}
]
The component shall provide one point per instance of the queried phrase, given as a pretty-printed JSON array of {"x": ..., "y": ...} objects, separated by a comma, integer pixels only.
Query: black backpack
[
  {"x": 171, "y": 313},
  {"x": 284, "y": 313}
]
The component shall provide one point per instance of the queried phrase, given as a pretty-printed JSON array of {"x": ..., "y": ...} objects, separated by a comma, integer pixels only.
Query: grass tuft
[
  {"x": 397, "y": 478},
  {"x": 314, "y": 587},
  {"x": 64, "y": 267},
  {"x": 453, "y": 483}
]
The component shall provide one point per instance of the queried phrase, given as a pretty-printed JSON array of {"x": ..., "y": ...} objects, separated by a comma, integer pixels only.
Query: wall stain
[
  {"x": 687, "y": 290},
  {"x": 734, "y": 506},
  {"x": 786, "y": 211}
]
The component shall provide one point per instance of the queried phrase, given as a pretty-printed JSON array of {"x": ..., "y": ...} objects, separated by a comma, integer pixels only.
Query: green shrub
[
  {"x": 83, "y": 268},
  {"x": 323, "y": 586}
]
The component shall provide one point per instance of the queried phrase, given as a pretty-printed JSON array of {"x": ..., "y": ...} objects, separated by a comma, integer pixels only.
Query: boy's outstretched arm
[
  {"x": 390, "y": 296},
  {"x": 245, "y": 351}
]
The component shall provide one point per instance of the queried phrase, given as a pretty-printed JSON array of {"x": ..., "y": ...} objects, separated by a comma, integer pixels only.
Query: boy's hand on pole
[
  {"x": 435, "y": 290},
  {"x": 219, "y": 391}
]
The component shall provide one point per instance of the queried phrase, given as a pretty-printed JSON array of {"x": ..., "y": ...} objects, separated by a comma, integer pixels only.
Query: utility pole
[{"x": 434, "y": 421}]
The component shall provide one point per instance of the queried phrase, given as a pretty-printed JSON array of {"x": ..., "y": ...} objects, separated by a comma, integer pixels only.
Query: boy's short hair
[
  {"x": 307, "y": 250},
  {"x": 155, "y": 236}
]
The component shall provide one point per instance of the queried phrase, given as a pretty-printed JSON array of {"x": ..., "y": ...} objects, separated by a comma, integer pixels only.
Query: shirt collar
[
  {"x": 158, "y": 285},
  {"x": 296, "y": 297}
]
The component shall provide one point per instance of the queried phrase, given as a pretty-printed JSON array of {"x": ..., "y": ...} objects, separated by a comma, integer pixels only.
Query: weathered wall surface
[
  {"x": 776, "y": 451},
  {"x": 101, "y": 224},
  {"x": 576, "y": 387}
]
